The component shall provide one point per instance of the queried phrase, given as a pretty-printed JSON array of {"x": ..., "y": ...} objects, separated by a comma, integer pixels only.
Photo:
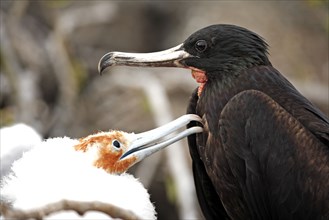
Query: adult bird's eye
[
  {"x": 201, "y": 45},
  {"x": 116, "y": 144}
]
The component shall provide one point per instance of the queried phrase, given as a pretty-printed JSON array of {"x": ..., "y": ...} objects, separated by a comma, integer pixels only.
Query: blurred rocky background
[{"x": 49, "y": 79}]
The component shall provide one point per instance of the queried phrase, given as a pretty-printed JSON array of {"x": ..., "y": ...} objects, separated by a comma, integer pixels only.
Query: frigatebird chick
[{"x": 90, "y": 169}]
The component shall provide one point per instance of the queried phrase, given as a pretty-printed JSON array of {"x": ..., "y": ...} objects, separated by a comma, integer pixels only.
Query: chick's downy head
[
  {"x": 110, "y": 146},
  {"x": 116, "y": 151}
]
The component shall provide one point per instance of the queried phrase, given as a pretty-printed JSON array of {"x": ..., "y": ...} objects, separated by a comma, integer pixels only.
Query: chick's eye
[
  {"x": 201, "y": 45},
  {"x": 116, "y": 144}
]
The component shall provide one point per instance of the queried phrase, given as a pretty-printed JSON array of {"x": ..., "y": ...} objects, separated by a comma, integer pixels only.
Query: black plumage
[{"x": 264, "y": 152}]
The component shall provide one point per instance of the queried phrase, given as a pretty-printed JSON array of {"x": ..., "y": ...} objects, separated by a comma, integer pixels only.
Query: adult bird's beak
[
  {"x": 167, "y": 58},
  {"x": 146, "y": 143}
]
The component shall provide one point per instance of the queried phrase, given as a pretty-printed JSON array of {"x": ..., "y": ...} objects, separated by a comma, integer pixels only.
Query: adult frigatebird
[{"x": 264, "y": 151}]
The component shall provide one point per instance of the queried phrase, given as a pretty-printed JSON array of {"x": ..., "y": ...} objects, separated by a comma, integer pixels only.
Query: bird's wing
[
  {"x": 270, "y": 81},
  {"x": 209, "y": 200},
  {"x": 280, "y": 165}
]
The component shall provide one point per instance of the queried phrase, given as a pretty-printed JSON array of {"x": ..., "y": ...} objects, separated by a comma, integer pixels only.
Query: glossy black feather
[
  {"x": 265, "y": 147},
  {"x": 280, "y": 178},
  {"x": 209, "y": 200}
]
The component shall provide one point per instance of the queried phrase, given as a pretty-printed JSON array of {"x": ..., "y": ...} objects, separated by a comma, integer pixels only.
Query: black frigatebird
[{"x": 264, "y": 151}]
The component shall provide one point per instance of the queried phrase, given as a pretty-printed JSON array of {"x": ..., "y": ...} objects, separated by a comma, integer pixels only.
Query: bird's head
[
  {"x": 212, "y": 52},
  {"x": 222, "y": 48},
  {"x": 116, "y": 151}
]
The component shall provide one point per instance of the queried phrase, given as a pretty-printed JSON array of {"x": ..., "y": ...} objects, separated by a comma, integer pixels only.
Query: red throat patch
[{"x": 200, "y": 77}]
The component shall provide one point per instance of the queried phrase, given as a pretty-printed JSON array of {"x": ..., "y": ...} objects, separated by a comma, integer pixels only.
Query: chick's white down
[
  {"x": 53, "y": 170},
  {"x": 14, "y": 140}
]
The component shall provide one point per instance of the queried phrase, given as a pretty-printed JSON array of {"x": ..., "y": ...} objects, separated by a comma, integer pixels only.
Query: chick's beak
[
  {"x": 146, "y": 143},
  {"x": 166, "y": 58}
]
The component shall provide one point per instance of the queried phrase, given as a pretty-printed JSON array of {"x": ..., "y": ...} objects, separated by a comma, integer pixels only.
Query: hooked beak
[
  {"x": 167, "y": 58},
  {"x": 147, "y": 143}
]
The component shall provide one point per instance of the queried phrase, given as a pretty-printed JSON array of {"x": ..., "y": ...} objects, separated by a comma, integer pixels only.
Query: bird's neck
[
  {"x": 219, "y": 90},
  {"x": 213, "y": 98}
]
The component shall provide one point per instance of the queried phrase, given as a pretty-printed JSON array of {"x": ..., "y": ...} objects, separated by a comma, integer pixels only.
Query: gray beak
[
  {"x": 167, "y": 58},
  {"x": 147, "y": 143}
]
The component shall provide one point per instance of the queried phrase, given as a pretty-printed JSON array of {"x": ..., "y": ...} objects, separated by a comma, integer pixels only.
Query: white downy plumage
[
  {"x": 88, "y": 170},
  {"x": 14, "y": 141},
  {"x": 53, "y": 170}
]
